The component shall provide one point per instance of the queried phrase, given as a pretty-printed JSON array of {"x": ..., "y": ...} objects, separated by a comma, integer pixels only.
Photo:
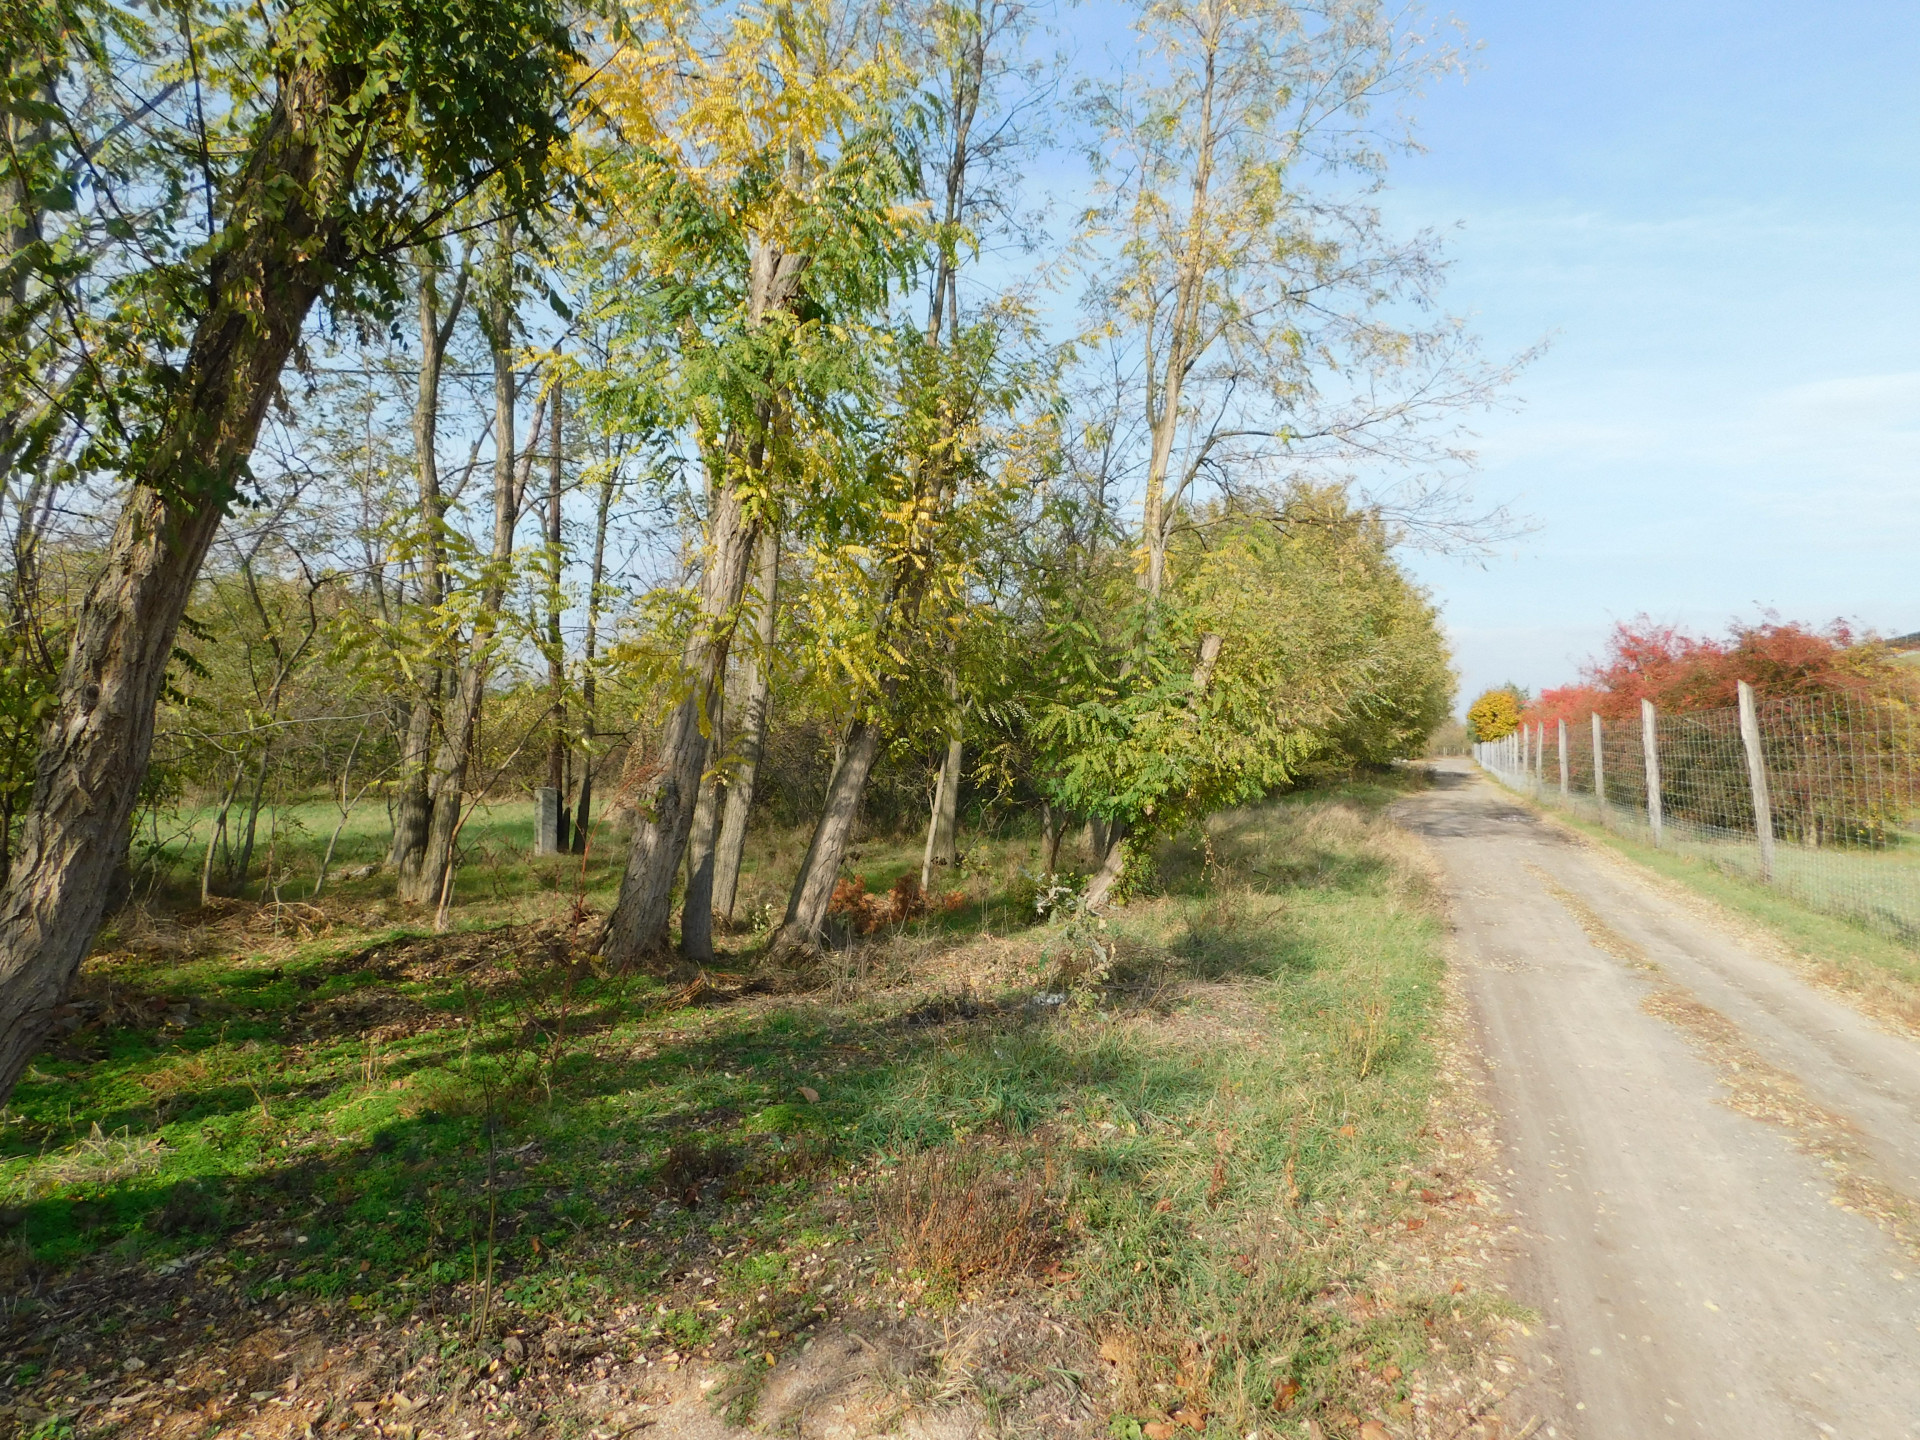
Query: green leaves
[{"x": 1324, "y": 655}]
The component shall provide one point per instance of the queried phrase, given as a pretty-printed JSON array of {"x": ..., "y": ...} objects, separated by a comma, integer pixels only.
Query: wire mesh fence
[{"x": 1818, "y": 797}]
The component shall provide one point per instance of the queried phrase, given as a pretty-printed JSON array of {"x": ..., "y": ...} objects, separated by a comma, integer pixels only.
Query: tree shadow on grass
[{"x": 487, "y": 1136}]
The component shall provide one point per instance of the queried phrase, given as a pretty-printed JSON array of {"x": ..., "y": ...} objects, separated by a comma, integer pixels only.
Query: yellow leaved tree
[{"x": 1494, "y": 716}]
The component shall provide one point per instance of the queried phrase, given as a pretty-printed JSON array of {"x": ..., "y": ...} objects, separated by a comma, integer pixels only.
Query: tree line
[{"x": 652, "y": 402}]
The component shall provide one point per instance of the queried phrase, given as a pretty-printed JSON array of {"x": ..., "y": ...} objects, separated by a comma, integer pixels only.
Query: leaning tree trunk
[
  {"x": 637, "y": 928},
  {"x": 95, "y": 749},
  {"x": 1113, "y": 864},
  {"x": 813, "y": 888},
  {"x": 757, "y": 687}
]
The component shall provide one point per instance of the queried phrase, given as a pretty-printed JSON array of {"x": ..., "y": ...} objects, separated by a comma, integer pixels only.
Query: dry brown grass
[
  {"x": 968, "y": 1217},
  {"x": 100, "y": 1159}
]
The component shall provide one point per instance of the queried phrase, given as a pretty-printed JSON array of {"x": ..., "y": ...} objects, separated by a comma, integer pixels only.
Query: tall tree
[
  {"x": 558, "y": 749},
  {"x": 485, "y": 600},
  {"x": 953, "y": 386},
  {"x": 413, "y": 809},
  {"x": 761, "y": 186},
  {"x": 1264, "y": 321},
  {"x": 336, "y": 123}
]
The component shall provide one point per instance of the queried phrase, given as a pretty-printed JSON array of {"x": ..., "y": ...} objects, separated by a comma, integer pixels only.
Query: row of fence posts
[{"x": 1525, "y": 751}]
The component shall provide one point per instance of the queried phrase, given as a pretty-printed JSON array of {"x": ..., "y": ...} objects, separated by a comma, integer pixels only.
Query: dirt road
[{"x": 1714, "y": 1164}]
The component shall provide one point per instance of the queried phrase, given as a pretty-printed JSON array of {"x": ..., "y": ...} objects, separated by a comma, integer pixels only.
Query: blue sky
[{"x": 1714, "y": 212}]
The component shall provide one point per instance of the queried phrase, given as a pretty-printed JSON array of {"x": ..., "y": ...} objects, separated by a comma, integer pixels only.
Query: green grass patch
[{"x": 1198, "y": 1158}]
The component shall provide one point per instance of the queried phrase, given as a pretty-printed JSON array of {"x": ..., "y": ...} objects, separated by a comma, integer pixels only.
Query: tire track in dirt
[
  {"x": 1712, "y": 1161},
  {"x": 1755, "y": 1087}
]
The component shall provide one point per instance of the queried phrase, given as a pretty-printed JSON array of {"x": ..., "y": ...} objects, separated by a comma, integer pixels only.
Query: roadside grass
[
  {"x": 1880, "y": 970},
  {"x": 1200, "y": 1159}
]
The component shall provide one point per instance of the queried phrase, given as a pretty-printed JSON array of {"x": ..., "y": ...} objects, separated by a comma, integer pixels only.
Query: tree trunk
[
  {"x": 414, "y": 812},
  {"x": 1051, "y": 827},
  {"x": 1165, "y": 382},
  {"x": 556, "y": 650},
  {"x": 583, "y": 818},
  {"x": 94, "y": 753},
  {"x": 461, "y": 722},
  {"x": 214, "y": 833},
  {"x": 1112, "y": 864},
  {"x": 696, "y": 912},
  {"x": 757, "y": 688},
  {"x": 413, "y": 807},
  {"x": 637, "y": 928},
  {"x": 943, "y": 825},
  {"x": 446, "y": 781},
  {"x": 806, "y": 918},
  {"x": 237, "y": 872},
  {"x": 1099, "y": 833}
]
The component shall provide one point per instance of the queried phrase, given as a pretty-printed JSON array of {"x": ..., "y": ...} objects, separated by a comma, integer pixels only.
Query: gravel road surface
[{"x": 1713, "y": 1163}]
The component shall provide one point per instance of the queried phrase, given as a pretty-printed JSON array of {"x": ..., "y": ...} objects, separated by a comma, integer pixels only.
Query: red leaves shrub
[
  {"x": 1679, "y": 672},
  {"x": 905, "y": 901}
]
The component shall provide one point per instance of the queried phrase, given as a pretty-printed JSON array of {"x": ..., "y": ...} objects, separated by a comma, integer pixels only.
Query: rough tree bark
[
  {"x": 1051, "y": 828},
  {"x": 696, "y": 913},
  {"x": 637, "y": 928},
  {"x": 756, "y": 686},
  {"x": 285, "y": 247},
  {"x": 943, "y": 825},
  {"x": 414, "y": 808},
  {"x": 1113, "y": 863},
  {"x": 820, "y": 870}
]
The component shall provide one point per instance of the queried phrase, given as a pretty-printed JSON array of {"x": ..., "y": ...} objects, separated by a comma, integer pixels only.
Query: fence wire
[{"x": 1838, "y": 777}]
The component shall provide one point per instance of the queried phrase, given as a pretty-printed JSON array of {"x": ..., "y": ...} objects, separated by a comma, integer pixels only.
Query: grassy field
[{"x": 1173, "y": 1152}]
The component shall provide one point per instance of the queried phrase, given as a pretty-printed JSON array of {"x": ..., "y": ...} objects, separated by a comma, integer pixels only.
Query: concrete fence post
[
  {"x": 1563, "y": 762},
  {"x": 1650, "y": 744},
  {"x": 1757, "y": 779},
  {"x": 1599, "y": 766}
]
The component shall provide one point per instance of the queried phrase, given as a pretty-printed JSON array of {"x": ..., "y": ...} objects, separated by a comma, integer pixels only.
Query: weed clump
[{"x": 956, "y": 1219}]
